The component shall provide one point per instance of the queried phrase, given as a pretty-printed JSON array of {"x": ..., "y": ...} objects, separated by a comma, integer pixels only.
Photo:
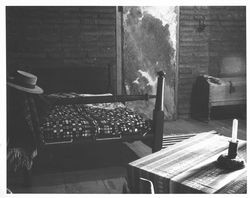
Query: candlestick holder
[{"x": 231, "y": 161}]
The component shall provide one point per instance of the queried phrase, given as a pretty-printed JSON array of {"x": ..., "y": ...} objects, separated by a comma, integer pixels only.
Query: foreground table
[{"x": 190, "y": 167}]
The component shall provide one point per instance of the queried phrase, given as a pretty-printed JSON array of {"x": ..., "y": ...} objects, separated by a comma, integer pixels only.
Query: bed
[
  {"x": 80, "y": 107},
  {"x": 83, "y": 109}
]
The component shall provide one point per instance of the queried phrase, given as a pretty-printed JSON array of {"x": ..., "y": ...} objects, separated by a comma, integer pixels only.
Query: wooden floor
[
  {"x": 223, "y": 127},
  {"x": 104, "y": 170}
]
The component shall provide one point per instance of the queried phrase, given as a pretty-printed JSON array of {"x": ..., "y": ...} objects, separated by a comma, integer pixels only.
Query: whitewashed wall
[{"x": 150, "y": 46}]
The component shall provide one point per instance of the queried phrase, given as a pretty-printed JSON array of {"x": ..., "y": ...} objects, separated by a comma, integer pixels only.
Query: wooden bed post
[{"x": 158, "y": 113}]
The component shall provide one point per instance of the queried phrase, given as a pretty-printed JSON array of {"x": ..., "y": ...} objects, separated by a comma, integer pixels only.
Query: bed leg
[{"x": 158, "y": 118}]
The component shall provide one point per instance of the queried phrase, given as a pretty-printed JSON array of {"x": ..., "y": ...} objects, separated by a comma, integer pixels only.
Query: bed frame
[
  {"x": 78, "y": 80},
  {"x": 98, "y": 80}
]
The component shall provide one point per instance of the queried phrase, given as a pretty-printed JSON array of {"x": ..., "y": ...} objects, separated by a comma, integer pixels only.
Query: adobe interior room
[{"x": 142, "y": 99}]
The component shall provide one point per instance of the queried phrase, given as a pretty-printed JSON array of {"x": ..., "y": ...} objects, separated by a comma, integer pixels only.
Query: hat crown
[{"x": 26, "y": 78}]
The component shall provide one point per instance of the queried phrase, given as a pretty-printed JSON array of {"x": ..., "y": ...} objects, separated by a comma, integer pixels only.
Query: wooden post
[
  {"x": 158, "y": 113},
  {"x": 119, "y": 13}
]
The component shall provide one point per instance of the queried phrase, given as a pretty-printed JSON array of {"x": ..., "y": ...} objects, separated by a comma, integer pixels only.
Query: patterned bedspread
[{"x": 69, "y": 123}]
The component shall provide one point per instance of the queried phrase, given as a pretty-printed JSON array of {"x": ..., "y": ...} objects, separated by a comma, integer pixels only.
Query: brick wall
[
  {"x": 200, "y": 52},
  {"x": 86, "y": 36},
  {"x": 227, "y": 35},
  {"x": 60, "y": 37}
]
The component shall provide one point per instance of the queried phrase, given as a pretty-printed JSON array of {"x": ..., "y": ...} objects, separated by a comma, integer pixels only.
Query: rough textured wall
[
  {"x": 149, "y": 46},
  {"x": 60, "y": 36},
  {"x": 227, "y": 43},
  {"x": 209, "y": 50}
]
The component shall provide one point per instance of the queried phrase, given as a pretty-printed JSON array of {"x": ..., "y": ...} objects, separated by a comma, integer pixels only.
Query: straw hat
[{"x": 24, "y": 81}]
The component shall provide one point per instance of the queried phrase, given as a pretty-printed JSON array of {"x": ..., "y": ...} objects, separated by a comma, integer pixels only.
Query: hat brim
[{"x": 36, "y": 90}]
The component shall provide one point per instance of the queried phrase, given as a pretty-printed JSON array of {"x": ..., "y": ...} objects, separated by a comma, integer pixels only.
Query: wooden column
[{"x": 118, "y": 50}]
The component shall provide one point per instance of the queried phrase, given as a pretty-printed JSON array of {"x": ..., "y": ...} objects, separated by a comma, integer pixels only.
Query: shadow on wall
[{"x": 148, "y": 48}]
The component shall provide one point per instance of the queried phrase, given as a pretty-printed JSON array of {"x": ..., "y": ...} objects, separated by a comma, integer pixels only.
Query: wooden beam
[
  {"x": 119, "y": 50},
  {"x": 177, "y": 64}
]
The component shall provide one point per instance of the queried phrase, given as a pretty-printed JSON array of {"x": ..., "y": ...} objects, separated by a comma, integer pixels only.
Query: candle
[{"x": 234, "y": 130}]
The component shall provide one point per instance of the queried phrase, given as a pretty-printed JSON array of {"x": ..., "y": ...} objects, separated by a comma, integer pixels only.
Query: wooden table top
[{"x": 190, "y": 167}]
